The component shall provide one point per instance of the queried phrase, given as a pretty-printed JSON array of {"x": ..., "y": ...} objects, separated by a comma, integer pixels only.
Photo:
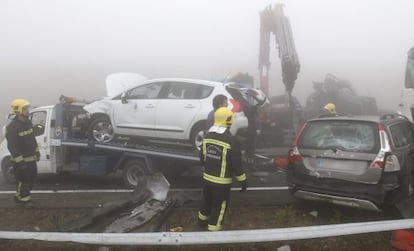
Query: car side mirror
[
  {"x": 124, "y": 98},
  {"x": 38, "y": 129}
]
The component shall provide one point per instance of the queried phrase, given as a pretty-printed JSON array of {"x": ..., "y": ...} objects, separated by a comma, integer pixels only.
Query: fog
[{"x": 49, "y": 47}]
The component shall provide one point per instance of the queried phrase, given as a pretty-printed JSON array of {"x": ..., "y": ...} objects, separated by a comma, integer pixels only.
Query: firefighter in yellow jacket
[
  {"x": 24, "y": 151},
  {"x": 221, "y": 157}
]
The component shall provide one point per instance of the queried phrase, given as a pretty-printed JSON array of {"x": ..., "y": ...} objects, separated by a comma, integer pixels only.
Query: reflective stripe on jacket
[{"x": 221, "y": 156}]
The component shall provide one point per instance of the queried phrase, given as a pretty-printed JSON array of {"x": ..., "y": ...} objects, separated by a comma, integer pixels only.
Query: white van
[{"x": 406, "y": 107}]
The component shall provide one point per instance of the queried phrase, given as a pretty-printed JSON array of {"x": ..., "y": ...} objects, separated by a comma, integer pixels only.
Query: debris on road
[
  {"x": 102, "y": 210},
  {"x": 138, "y": 216}
]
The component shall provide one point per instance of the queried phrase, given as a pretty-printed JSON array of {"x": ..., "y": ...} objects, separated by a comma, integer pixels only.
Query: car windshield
[{"x": 351, "y": 136}]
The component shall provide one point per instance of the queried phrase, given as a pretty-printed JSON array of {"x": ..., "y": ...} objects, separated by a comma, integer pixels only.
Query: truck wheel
[
  {"x": 101, "y": 130},
  {"x": 134, "y": 174},
  {"x": 197, "y": 135},
  {"x": 8, "y": 171}
]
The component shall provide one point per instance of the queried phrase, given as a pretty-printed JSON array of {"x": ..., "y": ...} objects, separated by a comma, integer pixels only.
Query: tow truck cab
[{"x": 52, "y": 124}]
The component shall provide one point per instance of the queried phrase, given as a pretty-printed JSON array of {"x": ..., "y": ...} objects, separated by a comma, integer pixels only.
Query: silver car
[{"x": 356, "y": 161}]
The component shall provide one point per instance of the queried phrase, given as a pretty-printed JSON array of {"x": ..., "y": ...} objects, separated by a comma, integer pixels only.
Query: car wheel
[
  {"x": 8, "y": 171},
  {"x": 134, "y": 174},
  {"x": 101, "y": 130},
  {"x": 197, "y": 135}
]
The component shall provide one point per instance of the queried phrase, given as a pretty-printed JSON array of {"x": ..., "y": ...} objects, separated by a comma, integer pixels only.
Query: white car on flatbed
[{"x": 168, "y": 108}]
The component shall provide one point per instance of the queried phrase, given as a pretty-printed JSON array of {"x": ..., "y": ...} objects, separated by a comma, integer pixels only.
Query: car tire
[
  {"x": 197, "y": 135},
  {"x": 8, "y": 171},
  {"x": 101, "y": 130},
  {"x": 134, "y": 174}
]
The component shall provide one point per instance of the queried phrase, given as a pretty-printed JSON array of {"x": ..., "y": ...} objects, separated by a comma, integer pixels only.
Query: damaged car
[
  {"x": 169, "y": 108},
  {"x": 358, "y": 161}
]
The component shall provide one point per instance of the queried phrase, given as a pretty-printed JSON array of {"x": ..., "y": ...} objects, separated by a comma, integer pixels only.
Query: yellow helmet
[
  {"x": 17, "y": 106},
  {"x": 330, "y": 107},
  {"x": 223, "y": 117}
]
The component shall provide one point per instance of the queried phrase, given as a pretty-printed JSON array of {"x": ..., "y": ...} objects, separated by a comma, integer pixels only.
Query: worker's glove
[{"x": 243, "y": 185}]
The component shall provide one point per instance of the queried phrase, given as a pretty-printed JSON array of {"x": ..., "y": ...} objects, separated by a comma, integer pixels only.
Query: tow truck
[{"x": 64, "y": 149}]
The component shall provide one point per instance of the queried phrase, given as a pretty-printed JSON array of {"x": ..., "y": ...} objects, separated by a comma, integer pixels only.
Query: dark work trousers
[
  {"x": 25, "y": 177},
  {"x": 214, "y": 205}
]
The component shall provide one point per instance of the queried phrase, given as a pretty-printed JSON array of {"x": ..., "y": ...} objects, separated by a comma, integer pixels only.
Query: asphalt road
[{"x": 267, "y": 187}]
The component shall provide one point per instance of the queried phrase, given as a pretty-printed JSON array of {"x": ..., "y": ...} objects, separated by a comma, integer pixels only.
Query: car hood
[
  {"x": 119, "y": 82},
  {"x": 100, "y": 106}
]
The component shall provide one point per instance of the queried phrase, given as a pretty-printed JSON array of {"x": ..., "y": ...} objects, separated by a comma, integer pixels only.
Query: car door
[
  {"x": 134, "y": 114},
  {"x": 178, "y": 110},
  {"x": 39, "y": 120},
  {"x": 402, "y": 137}
]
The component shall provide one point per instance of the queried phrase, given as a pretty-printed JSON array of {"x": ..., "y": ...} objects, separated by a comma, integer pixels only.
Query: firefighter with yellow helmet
[
  {"x": 221, "y": 157},
  {"x": 24, "y": 151}
]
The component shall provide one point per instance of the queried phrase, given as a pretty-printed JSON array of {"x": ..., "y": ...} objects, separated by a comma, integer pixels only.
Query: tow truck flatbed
[{"x": 148, "y": 149}]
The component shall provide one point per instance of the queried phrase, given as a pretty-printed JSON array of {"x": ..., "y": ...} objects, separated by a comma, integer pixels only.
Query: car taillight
[
  {"x": 294, "y": 155},
  {"x": 378, "y": 162},
  {"x": 237, "y": 106},
  {"x": 384, "y": 158},
  {"x": 391, "y": 164}
]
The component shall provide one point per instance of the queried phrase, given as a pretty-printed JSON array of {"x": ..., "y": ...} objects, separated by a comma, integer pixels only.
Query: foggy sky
[{"x": 52, "y": 47}]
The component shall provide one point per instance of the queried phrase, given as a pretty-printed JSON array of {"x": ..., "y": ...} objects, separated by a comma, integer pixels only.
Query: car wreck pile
[{"x": 280, "y": 121}]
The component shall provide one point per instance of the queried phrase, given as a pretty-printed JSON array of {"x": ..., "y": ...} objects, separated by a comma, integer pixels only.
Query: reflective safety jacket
[
  {"x": 21, "y": 142},
  {"x": 221, "y": 156}
]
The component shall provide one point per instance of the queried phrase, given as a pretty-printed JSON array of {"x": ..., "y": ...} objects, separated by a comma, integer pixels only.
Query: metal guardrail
[
  {"x": 197, "y": 238},
  {"x": 63, "y": 191}
]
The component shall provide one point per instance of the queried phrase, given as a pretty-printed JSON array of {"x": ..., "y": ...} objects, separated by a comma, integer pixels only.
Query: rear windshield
[{"x": 350, "y": 136}]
